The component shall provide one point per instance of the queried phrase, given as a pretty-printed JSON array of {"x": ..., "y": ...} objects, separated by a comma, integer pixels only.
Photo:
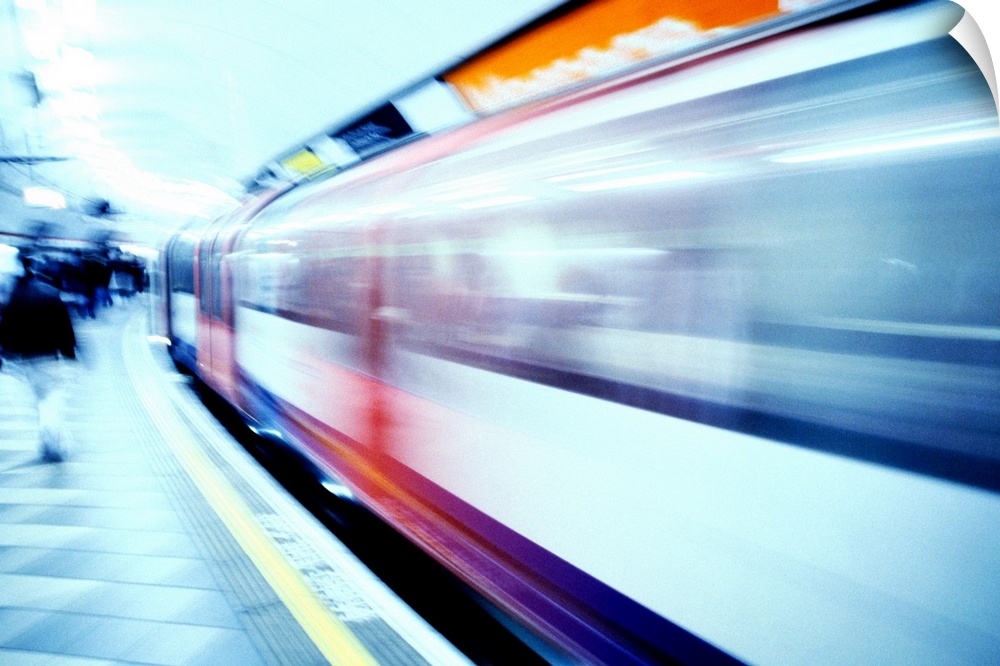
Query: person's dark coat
[{"x": 36, "y": 322}]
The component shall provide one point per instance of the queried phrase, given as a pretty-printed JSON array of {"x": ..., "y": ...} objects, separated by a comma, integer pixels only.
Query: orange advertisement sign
[{"x": 597, "y": 38}]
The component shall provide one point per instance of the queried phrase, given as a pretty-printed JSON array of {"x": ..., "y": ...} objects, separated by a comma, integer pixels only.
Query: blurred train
[{"x": 697, "y": 363}]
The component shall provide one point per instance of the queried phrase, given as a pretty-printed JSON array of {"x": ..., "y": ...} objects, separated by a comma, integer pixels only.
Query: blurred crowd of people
[
  {"x": 41, "y": 292},
  {"x": 89, "y": 280}
]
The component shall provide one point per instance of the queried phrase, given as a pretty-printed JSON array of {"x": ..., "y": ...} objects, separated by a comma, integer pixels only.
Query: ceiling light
[{"x": 43, "y": 197}]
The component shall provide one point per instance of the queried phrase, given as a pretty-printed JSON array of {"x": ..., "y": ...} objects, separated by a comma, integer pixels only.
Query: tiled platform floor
[{"x": 113, "y": 556}]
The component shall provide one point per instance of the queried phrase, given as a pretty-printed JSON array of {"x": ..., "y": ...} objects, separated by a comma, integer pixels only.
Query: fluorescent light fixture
[
  {"x": 44, "y": 197},
  {"x": 636, "y": 181},
  {"x": 73, "y": 69},
  {"x": 74, "y": 104},
  {"x": 80, "y": 14}
]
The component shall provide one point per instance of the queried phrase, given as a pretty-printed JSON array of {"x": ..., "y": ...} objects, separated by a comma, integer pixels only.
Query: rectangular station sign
[{"x": 598, "y": 38}]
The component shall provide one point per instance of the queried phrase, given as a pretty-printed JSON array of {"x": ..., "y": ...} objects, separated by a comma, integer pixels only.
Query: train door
[
  {"x": 217, "y": 315},
  {"x": 159, "y": 292},
  {"x": 206, "y": 289},
  {"x": 212, "y": 333},
  {"x": 181, "y": 309},
  {"x": 221, "y": 314}
]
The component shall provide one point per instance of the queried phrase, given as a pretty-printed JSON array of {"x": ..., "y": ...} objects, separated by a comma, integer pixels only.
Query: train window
[
  {"x": 247, "y": 283},
  {"x": 262, "y": 279},
  {"x": 204, "y": 284},
  {"x": 332, "y": 295},
  {"x": 215, "y": 276},
  {"x": 181, "y": 269}
]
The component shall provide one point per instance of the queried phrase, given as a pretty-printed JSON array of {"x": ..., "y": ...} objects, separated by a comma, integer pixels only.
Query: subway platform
[{"x": 159, "y": 540}]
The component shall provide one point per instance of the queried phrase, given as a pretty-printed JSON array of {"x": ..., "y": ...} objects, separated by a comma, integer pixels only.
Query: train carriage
[{"x": 697, "y": 363}]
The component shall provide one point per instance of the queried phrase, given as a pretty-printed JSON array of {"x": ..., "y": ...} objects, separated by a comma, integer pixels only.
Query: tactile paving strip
[
  {"x": 269, "y": 624},
  {"x": 332, "y": 574}
]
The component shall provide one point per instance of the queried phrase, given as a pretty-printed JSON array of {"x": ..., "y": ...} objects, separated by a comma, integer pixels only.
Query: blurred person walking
[{"x": 36, "y": 338}]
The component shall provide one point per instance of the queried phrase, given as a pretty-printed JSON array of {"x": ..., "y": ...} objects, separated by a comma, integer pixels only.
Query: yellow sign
[{"x": 303, "y": 162}]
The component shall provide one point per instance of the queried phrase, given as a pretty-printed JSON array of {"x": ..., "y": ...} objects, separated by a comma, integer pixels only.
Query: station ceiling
[
  {"x": 163, "y": 108},
  {"x": 143, "y": 114}
]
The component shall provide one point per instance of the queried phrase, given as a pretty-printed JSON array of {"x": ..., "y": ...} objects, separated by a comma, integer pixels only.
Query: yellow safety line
[{"x": 326, "y": 630}]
